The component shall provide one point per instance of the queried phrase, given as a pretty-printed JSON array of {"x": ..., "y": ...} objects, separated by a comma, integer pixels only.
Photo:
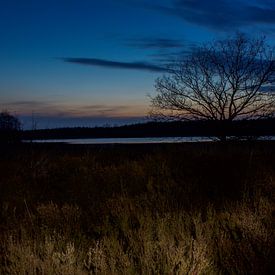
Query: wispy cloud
[
  {"x": 222, "y": 14},
  {"x": 31, "y": 103},
  {"x": 69, "y": 109},
  {"x": 168, "y": 58},
  {"x": 143, "y": 66},
  {"x": 98, "y": 110},
  {"x": 154, "y": 43},
  {"x": 162, "y": 50}
]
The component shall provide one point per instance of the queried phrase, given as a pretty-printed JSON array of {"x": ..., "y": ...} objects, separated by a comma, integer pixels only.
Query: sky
[{"x": 66, "y": 63}]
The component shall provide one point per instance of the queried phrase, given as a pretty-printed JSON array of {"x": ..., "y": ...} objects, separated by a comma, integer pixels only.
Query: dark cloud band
[
  {"x": 222, "y": 14},
  {"x": 115, "y": 64}
]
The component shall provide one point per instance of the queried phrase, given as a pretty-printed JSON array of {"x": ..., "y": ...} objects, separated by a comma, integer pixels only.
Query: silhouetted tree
[
  {"x": 9, "y": 128},
  {"x": 221, "y": 81}
]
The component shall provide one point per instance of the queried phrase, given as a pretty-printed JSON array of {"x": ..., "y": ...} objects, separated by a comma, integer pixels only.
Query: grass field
[{"x": 198, "y": 208}]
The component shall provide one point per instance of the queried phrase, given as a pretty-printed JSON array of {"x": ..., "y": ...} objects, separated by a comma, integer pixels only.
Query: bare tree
[{"x": 222, "y": 81}]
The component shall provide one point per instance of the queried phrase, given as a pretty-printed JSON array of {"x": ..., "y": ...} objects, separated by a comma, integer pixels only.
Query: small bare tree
[{"x": 222, "y": 81}]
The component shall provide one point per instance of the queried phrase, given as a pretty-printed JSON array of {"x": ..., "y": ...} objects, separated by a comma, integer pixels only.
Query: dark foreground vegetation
[{"x": 203, "y": 208}]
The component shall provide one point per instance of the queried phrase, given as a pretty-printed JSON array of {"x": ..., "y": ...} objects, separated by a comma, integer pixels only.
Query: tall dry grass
[
  {"x": 135, "y": 239},
  {"x": 137, "y": 215}
]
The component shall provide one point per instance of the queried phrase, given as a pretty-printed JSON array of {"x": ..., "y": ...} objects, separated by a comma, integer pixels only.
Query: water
[
  {"x": 135, "y": 140},
  {"x": 125, "y": 140}
]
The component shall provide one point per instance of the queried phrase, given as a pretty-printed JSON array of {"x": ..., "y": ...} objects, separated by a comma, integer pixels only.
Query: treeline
[{"x": 248, "y": 128}]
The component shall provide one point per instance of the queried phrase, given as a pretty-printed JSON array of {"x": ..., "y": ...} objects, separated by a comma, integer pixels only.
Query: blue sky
[{"x": 81, "y": 63}]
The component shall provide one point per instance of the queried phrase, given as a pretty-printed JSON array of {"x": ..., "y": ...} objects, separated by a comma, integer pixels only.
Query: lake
[
  {"x": 125, "y": 140},
  {"x": 133, "y": 140}
]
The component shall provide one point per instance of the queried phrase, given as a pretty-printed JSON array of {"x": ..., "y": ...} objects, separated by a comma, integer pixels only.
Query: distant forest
[{"x": 241, "y": 128}]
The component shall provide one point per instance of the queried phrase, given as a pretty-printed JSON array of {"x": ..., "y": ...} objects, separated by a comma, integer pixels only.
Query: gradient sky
[{"x": 86, "y": 63}]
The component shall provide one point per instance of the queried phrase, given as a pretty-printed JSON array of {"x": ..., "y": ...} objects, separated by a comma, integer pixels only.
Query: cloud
[
  {"x": 30, "y": 103},
  {"x": 222, "y": 14},
  {"x": 33, "y": 106},
  {"x": 143, "y": 66},
  {"x": 69, "y": 109},
  {"x": 169, "y": 58},
  {"x": 154, "y": 43},
  {"x": 260, "y": 15},
  {"x": 98, "y": 110},
  {"x": 162, "y": 50}
]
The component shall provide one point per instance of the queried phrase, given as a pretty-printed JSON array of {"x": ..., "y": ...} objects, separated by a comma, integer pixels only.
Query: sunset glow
[{"x": 100, "y": 59}]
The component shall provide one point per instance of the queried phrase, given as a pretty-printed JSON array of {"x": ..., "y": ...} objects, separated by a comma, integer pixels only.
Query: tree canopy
[
  {"x": 9, "y": 127},
  {"x": 223, "y": 80}
]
